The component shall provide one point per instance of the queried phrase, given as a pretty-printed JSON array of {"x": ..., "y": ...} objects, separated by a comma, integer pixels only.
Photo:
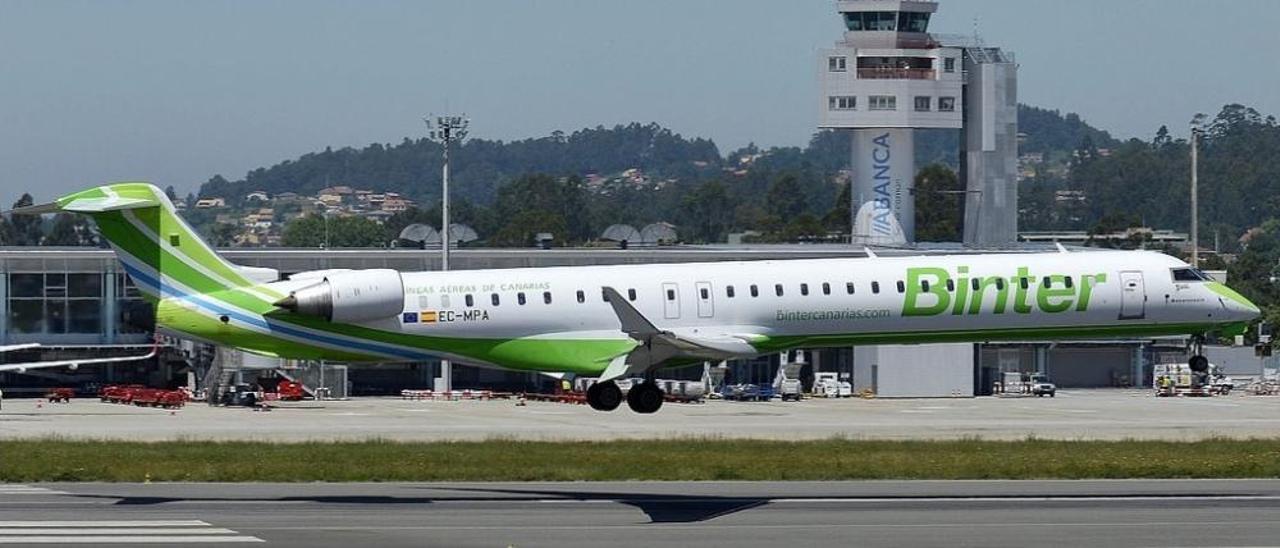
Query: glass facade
[
  {"x": 55, "y": 302},
  {"x": 906, "y": 21}
]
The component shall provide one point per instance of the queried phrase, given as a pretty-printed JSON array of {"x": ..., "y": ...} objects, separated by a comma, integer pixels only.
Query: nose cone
[{"x": 1240, "y": 308}]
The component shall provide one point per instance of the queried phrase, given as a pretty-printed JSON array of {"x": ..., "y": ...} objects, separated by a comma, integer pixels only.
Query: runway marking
[
  {"x": 6, "y": 489},
  {"x": 118, "y": 532}
]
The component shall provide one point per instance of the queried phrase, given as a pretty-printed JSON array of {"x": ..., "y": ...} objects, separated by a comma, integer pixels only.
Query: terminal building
[{"x": 77, "y": 303}]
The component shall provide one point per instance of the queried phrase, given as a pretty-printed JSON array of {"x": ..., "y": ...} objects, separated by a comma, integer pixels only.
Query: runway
[{"x": 1126, "y": 513}]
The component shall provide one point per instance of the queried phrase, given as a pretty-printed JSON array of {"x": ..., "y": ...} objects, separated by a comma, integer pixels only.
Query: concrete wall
[
  {"x": 1238, "y": 360},
  {"x": 990, "y": 154},
  {"x": 914, "y": 371},
  {"x": 1090, "y": 367}
]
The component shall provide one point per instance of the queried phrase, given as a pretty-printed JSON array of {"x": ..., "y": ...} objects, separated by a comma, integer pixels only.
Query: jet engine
[{"x": 352, "y": 296}]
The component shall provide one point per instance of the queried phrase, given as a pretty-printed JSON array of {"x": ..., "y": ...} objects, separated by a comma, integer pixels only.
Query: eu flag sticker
[{"x": 410, "y": 317}]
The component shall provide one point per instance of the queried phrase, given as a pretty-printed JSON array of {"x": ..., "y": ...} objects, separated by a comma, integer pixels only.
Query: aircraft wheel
[
  {"x": 604, "y": 396},
  {"x": 1199, "y": 364},
  {"x": 645, "y": 398}
]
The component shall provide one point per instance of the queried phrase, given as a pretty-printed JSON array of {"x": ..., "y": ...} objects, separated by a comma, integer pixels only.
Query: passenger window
[
  {"x": 520, "y": 298},
  {"x": 826, "y": 288},
  {"x": 902, "y": 287},
  {"x": 1047, "y": 281},
  {"x": 582, "y": 297},
  {"x": 975, "y": 283},
  {"x": 728, "y": 291},
  {"x": 631, "y": 294},
  {"x": 470, "y": 301},
  {"x": 848, "y": 287},
  {"x": 777, "y": 288},
  {"x": 1067, "y": 281},
  {"x": 924, "y": 285},
  {"x": 671, "y": 294},
  {"x": 755, "y": 291},
  {"x": 804, "y": 289},
  {"x": 494, "y": 297},
  {"x": 546, "y": 297},
  {"x": 705, "y": 293},
  {"x": 999, "y": 284},
  {"x": 875, "y": 287},
  {"x": 951, "y": 285},
  {"x": 1025, "y": 282}
]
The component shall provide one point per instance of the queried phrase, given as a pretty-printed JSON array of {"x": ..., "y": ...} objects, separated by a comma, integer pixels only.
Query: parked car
[{"x": 1041, "y": 386}]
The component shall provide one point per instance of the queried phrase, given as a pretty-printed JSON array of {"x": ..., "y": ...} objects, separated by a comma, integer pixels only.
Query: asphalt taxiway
[
  {"x": 1127, "y": 513},
  {"x": 1072, "y": 415}
]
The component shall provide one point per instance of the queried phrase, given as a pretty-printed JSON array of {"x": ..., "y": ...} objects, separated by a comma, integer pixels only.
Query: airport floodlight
[{"x": 446, "y": 130}]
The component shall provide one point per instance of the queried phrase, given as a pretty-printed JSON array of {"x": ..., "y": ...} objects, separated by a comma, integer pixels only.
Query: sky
[{"x": 174, "y": 92}]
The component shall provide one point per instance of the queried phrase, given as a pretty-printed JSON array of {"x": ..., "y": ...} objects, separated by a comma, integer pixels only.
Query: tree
[
  {"x": 706, "y": 212},
  {"x": 785, "y": 198},
  {"x": 25, "y": 228},
  {"x": 69, "y": 230},
  {"x": 541, "y": 203},
  {"x": 316, "y": 231},
  {"x": 939, "y": 208}
]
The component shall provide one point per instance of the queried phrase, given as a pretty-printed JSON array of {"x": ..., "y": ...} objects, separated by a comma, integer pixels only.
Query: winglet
[{"x": 633, "y": 322}]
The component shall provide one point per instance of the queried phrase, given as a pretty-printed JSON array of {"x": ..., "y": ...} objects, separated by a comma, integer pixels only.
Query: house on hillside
[
  {"x": 257, "y": 196},
  {"x": 395, "y": 203},
  {"x": 210, "y": 203}
]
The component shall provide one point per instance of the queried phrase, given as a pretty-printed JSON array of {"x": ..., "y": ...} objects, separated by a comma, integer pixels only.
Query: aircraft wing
[
  {"x": 659, "y": 346},
  {"x": 73, "y": 364}
]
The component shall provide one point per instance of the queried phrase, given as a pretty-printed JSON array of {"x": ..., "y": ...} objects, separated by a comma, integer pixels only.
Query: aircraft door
[
  {"x": 670, "y": 301},
  {"x": 1133, "y": 296},
  {"x": 706, "y": 306}
]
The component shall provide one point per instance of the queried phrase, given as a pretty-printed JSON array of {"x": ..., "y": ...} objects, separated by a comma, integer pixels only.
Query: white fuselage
[{"x": 823, "y": 297}]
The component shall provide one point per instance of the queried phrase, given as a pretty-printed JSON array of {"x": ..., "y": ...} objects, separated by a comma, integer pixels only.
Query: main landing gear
[
  {"x": 644, "y": 397},
  {"x": 604, "y": 396}
]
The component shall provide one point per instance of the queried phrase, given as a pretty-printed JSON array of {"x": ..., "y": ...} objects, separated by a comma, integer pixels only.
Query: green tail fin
[{"x": 161, "y": 252}]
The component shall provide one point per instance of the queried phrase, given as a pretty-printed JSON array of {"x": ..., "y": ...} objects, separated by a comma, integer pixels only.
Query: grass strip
[{"x": 673, "y": 460}]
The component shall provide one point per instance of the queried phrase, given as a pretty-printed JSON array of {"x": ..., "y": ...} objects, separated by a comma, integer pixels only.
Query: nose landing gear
[{"x": 1198, "y": 363}]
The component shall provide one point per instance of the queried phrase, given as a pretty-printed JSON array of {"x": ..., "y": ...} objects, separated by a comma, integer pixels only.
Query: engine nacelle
[{"x": 354, "y": 296}]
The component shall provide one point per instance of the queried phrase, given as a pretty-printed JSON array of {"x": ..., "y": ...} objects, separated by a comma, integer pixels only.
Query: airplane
[
  {"x": 72, "y": 365},
  {"x": 619, "y": 321}
]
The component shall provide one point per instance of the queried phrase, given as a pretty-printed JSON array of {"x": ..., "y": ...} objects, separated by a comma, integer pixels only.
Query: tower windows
[
  {"x": 946, "y": 104},
  {"x": 924, "y": 103},
  {"x": 842, "y": 102},
  {"x": 837, "y": 64},
  {"x": 883, "y": 102}
]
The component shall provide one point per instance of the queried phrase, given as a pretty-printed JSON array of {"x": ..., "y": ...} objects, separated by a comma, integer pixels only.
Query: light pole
[
  {"x": 446, "y": 130},
  {"x": 1195, "y": 192}
]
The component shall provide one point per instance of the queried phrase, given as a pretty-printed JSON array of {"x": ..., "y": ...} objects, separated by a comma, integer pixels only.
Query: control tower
[{"x": 888, "y": 77}]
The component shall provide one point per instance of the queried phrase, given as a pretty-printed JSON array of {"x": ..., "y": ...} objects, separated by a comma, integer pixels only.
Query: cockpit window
[{"x": 1189, "y": 275}]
